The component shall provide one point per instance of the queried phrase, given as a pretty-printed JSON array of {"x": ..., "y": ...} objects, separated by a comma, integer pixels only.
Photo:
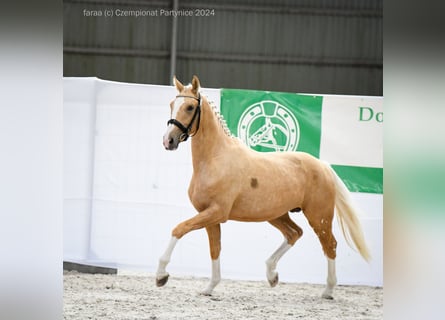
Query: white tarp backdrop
[{"x": 124, "y": 193}]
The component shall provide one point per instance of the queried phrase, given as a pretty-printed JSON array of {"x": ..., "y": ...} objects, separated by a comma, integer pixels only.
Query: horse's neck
[{"x": 211, "y": 138}]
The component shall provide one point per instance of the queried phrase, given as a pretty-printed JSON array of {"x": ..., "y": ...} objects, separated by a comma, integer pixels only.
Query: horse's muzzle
[{"x": 170, "y": 142}]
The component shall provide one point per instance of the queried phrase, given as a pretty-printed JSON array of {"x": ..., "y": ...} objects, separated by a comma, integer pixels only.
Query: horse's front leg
[
  {"x": 162, "y": 274},
  {"x": 207, "y": 217},
  {"x": 214, "y": 233}
]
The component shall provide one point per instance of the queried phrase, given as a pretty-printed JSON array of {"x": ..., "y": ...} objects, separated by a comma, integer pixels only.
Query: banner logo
[{"x": 269, "y": 125}]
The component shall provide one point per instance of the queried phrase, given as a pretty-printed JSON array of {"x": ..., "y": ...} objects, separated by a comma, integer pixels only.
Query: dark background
[{"x": 332, "y": 46}]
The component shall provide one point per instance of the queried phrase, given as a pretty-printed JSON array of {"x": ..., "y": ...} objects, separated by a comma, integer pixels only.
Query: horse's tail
[{"x": 347, "y": 216}]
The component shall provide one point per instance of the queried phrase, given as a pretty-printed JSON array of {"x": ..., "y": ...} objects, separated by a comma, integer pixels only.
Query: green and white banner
[{"x": 345, "y": 131}]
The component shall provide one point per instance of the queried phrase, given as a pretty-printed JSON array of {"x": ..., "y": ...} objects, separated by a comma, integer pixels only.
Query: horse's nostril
[{"x": 170, "y": 141}]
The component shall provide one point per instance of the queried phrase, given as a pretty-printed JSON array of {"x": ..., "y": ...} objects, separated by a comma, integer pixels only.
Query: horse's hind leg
[
  {"x": 322, "y": 225},
  {"x": 291, "y": 233},
  {"x": 331, "y": 280}
]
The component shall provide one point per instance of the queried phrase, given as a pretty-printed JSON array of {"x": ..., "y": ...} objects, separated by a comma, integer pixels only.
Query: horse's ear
[
  {"x": 178, "y": 84},
  {"x": 195, "y": 84}
]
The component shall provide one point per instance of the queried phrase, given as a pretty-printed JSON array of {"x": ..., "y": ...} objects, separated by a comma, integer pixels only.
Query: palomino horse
[{"x": 232, "y": 182}]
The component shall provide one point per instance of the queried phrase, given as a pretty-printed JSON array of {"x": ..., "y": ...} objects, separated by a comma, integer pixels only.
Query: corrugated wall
[{"x": 296, "y": 46}]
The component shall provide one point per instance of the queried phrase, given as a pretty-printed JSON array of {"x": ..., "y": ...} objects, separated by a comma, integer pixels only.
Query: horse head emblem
[{"x": 269, "y": 126}]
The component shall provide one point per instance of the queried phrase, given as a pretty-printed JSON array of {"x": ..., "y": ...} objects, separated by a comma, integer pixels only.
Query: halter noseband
[{"x": 186, "y": 130}]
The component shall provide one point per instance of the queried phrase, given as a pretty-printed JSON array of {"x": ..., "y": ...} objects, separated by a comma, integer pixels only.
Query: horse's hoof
[
  {"x": 327, "y": 296},
  {"x": 274, "y": 281},
  {"x": 161, "y": 281},
  {"x": 205, "y": 293}
]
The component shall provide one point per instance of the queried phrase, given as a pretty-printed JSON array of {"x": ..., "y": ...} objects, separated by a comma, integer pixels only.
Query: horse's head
[{"x": 185, "y": 114}]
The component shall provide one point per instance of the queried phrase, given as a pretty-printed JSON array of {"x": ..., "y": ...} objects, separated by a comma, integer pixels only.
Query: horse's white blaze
[
  {"x": 165, "y": 259},
  {"x": 216, "y": 277},
  {"x": 176, "y": 106},
  {"x": 178, "y": 103}
]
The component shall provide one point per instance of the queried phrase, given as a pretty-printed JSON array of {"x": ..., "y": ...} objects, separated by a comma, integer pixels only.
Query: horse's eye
[{"x": 190, "y": 108}]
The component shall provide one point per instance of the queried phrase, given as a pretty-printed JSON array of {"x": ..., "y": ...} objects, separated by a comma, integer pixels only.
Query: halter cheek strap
[{"x": 186, "y": 130}]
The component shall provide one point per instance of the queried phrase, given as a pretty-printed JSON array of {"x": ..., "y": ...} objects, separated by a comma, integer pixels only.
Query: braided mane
[{"x": 220, "y": 118}]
